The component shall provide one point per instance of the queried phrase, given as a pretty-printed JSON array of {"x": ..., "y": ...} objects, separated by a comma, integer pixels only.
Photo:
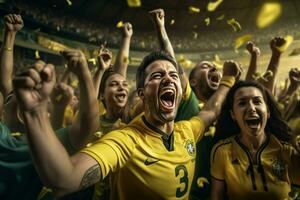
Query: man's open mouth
[
  {"x": 214, "y": 79},
  {"x": 167, "y": 99}
]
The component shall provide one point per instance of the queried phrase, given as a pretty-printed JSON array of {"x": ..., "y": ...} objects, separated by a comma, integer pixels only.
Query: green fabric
[
  {"x": 18, "y": 178},
  {"x": 188, "y": 108}
]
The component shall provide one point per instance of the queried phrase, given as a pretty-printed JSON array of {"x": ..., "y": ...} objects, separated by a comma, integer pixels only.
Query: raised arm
[
  {"x": 57, "y": 170},
  {"x": 254, "y": 53},
  {"x": 275, "y": 43},
  {"x": 294, "y": 77},
  {"x": 104, "y": 61},
  {"x": 12, "y": 23},
  {"x": 122, "y": 58},
  {"x": 87, "y": 121},
  {"x": 212, "y": 108},
  {"x": 158, "y": 17}
]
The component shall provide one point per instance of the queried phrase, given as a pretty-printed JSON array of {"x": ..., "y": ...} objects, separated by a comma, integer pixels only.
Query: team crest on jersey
[
  {"x": 278, "y": 168},
  {"x": 190, "y": 147}
]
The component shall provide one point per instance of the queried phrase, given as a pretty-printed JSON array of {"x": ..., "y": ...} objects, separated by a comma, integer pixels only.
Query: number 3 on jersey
[{"x": 184, "y": 180}]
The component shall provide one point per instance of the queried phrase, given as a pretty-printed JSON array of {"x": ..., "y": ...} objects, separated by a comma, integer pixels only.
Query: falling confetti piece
[
  {"x": 201, "y": 181},
  {"x": 119, "y": 24},
  {"x": 93, "y": 60},
  {"x": 98, "y": 134},
  {"x": 268, "y": 14},
  {"x": 16, "y": 134},
  {"x": 37, "y": 54},
  {"x": 221, "y": 17},
  {"x": 195, "y": 26},
  {"x": 211, "y": 6},
  {"x": 172, "y": 22},
  {"x": 234, "y": 24},
  {"x": 295, "y": 52},
  {"x": 201, "y": 105},
  {"x": 134, "y": 3},
  {"x": 288, "y": 41},
  {"x": 217, "y": 62},
  {"x": 211, "y": 132},
  {"x": 69, "y": 2},
  {"x": 242, "y": 40},
  {"x": 74, "y": 83},
  {"x": 193, "y": 9},
  {"x": 207, "y": 21}
]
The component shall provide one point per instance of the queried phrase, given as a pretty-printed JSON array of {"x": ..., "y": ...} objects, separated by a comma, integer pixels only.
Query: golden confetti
[
  {"x": 211, "y": 6},
  {"x": 268, "y": 14},
  {"x": 201, "y": 105},
  {"x": 234, "y": 24},
  {"x": 58, "y": 98},
  {"x": 69, "y": 2},
  {"x": 242, "y": 40},
  {"x": 43, "y": 192},
  {"x": 172, "y": 22},
  {"x": 119, "y": 24},
  {"x": 193, "y": 9},
  {"x": 201, "y": 181},
  {"x": 134, "y": 3},
  {"x": 98, "y": 134},
  {"x": 207, "y": 21},
  {"x": 89, "y": 144},
  {"x": 195, "y": 26},
  {"x": 16, "y": 134},
  {"x": 74, "y": 83},
  {"x": 217, "y": 62},
  {"x": 93, "y": 60},
  {"x": 221, "y": 17},
  {"x": 37, "y": 54},
  {"x": 288, "y": 41},
  {"x": 295, "y": 52},
  {"x": 211, "y": 131}
]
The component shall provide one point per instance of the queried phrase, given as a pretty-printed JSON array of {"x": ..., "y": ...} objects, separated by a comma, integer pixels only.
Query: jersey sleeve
[
  {"x": 198, "y": 127},
  {"x": 113, "y": 150},
  {"x": 217, "y": 162}
]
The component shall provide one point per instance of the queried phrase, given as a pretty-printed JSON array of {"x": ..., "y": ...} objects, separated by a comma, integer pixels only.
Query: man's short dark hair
[{"x": 153, "y": 56}]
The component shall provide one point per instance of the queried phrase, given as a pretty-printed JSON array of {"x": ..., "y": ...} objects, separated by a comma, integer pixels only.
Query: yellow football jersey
[
  {"x": 276, "y": 169},
  {"x": 146, "y": 163}
]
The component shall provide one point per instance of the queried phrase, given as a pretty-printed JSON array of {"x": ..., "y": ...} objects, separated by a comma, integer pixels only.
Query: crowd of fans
[
  {"x": 87, "y": 132},
  {"x": 87, "y": 31}
]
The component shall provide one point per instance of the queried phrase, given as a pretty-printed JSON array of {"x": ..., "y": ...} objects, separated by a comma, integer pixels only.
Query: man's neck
[{"x": 166, "y": 127}]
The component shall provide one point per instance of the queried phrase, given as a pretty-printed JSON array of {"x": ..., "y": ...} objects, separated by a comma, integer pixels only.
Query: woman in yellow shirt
[{"x": 256, "y": 160}]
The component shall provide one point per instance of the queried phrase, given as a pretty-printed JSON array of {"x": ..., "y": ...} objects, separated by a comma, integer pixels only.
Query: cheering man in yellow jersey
[{"x": 151, "y": 158}]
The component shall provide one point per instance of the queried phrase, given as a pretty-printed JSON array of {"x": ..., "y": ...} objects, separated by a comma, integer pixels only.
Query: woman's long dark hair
[{"x": 227, "y": 127}]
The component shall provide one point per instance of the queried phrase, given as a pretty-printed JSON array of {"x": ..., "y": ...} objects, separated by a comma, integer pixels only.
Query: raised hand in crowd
[
  {"x": 104, "y": 58},
  {"x": 254, "y": 53},
  {"x": 12, "y": 24},
  {"x": 122, "y": 59},
  {"x": 270, "y": 76},
  {"x": 87, "y": 122}
]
